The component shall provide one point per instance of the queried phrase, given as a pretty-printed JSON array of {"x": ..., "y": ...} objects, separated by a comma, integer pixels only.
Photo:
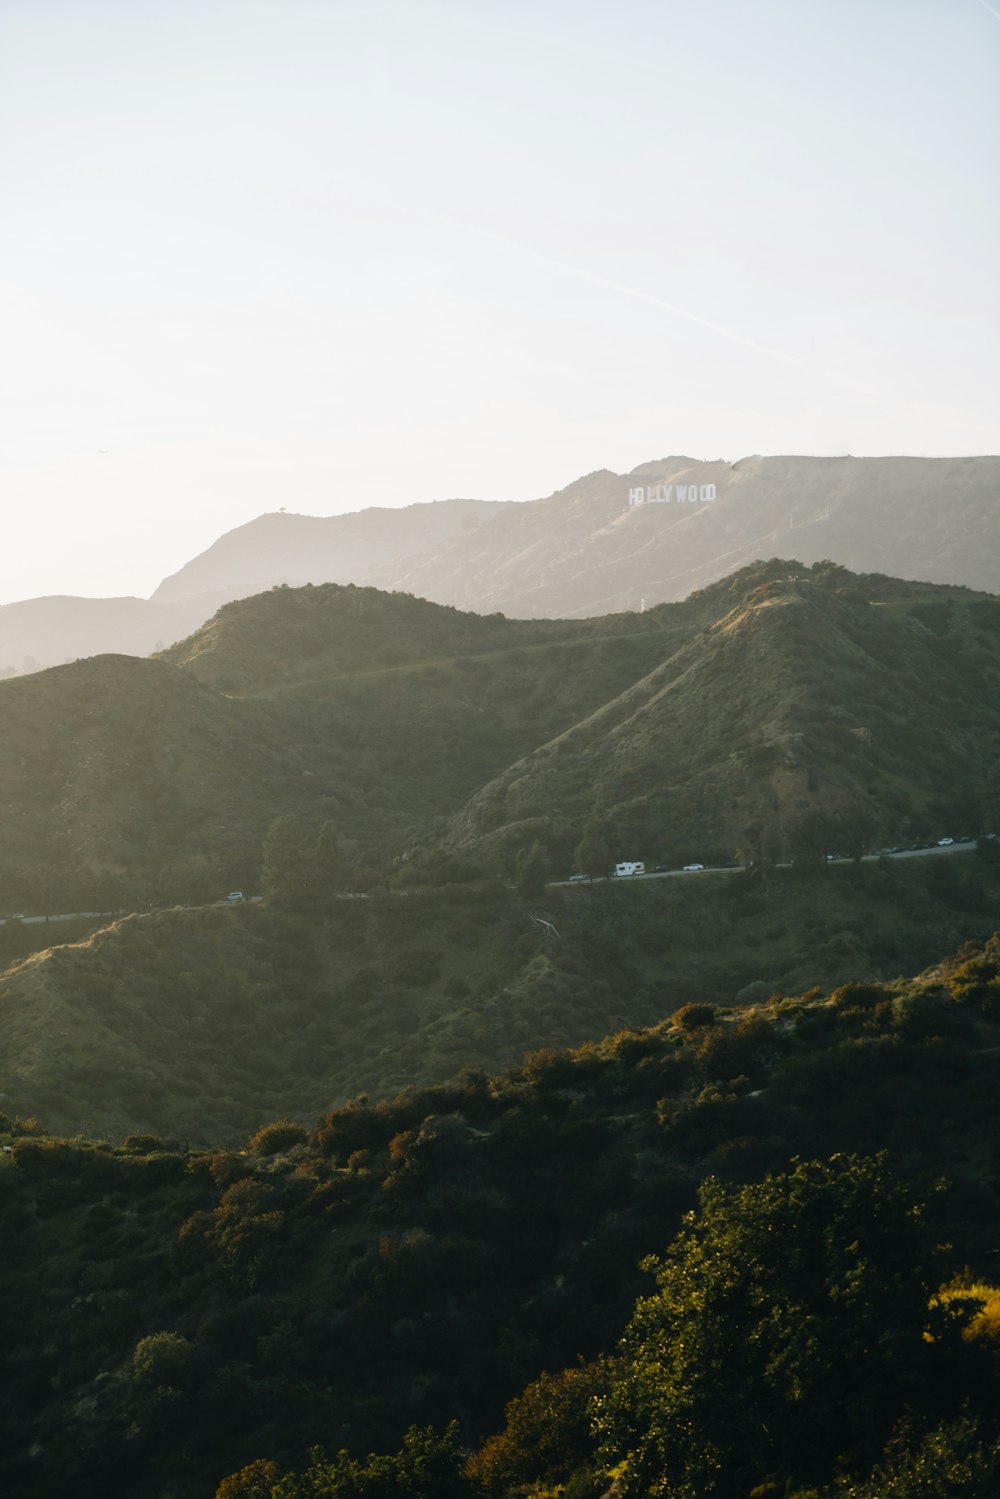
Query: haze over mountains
[{"x": 580, "y": 552}]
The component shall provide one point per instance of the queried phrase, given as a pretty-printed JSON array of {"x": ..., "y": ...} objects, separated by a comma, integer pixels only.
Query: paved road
[
  {"x": 670, "y": 874},
  {"x": 667, "y": 874}
]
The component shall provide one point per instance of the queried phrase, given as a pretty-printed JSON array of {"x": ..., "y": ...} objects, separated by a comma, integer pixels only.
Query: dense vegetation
[
  {"x": 728, "y": 722},
  {"x": 426, "y": 1178},
  {"x": 822, "y": 1321},
  {"x": 207, "y": 1022}
]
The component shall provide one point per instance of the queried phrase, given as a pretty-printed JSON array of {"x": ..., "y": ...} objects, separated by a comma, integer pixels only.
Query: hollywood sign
[{"x": 676, "y": 494}]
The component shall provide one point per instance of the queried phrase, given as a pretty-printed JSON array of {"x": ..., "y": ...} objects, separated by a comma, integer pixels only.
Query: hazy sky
[{"x": 322, "y": 254}]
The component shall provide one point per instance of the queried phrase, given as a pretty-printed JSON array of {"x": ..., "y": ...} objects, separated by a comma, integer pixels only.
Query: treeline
[{"x": 817, "y": 1175}]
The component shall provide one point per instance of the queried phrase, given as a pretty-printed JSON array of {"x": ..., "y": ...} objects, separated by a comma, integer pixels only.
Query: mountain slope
[
  {"x": 51, "y": 631},
  {"x": 207, "y": 1022},
  {"x": 582, "y": 551},
  {"x": 298, "y": 549},
  {"x": 779, "y": 693},
  {"x": 815, "y": 692},
  {"x": 585, "y": 550}
]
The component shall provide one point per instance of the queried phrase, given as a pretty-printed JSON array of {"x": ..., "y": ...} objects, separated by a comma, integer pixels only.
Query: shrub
[
  {"x": 693, "y": 1017},
  {"x": 163, "y": 1360},
  {"x": 282, "y": 1135}
]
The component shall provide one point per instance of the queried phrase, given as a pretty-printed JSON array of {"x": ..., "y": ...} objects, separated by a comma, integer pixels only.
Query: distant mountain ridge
[
  {"x": 586, "y": 550},
  {"x": 582, "y": 551},
  {"x": 298, "y": 549}
]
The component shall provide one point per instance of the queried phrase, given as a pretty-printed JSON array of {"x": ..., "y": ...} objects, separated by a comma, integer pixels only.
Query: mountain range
[{"x": 585, "y": 550}]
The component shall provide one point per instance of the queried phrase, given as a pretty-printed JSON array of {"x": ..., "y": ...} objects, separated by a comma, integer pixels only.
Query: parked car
[
  {"x": 235, "y": 895},
  {"x": 945, "y": 842},
  {"x": 693, "y": 868},
  {"x": 578, "y": 877}
]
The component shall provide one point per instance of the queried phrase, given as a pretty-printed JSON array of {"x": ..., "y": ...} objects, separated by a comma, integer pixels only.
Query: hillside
[
  {"x": 51, "y": 631},
  {"x": 796, "y": 707},
  {"x": 380, "y": 712},
  {"x": 173, "y": 1316},
  {"x": 265, "y": 553},
  {"x": 299, "y": 549},
  {"x": 579, "y": 552},
  {"x": 753, "y": 710},
  {"x": 205, "y": 1023},
  {"x": 585, "y": 550}
]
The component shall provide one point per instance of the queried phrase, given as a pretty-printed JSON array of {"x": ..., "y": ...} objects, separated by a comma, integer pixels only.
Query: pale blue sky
[{"x": 324, "y": 254}]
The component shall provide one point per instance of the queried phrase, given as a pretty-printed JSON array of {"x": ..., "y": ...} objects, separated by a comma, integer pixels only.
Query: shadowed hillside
[
  {"x": 817, "y": 698},
  {"x": 772, "y": 699},
  {"x": 207, "y": 1022}
]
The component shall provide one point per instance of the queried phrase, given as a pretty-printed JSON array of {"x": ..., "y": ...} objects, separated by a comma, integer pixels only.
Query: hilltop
[
  {"x": 581, "y": 551},
  {"x": 789, "y": 719},
  {"x": 776, "y": 706},
  {"x": 585, "y": 550}
]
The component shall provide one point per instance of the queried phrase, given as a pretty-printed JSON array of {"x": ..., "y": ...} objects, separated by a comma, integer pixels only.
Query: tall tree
[
  {"x": 532, "y": 871},
  {"x": 284, "y": 861},
  {"x": 329, "y": 860},
  {"x": 593, "y": 854}
]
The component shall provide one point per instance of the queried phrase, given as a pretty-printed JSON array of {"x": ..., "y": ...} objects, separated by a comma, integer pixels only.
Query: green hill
[
  {"x": 171, "y": 1317},
  {"x": 777, "y": 695},
  {"x": 812, "y": 704},
  {"x": 205, "y": 1023}
]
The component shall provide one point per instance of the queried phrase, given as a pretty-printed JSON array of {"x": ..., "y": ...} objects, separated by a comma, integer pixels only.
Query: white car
[
  {"x": 693, "y": 868},
  {"x": 945, "y": 842},
  {"x": 235, "y": 895}
]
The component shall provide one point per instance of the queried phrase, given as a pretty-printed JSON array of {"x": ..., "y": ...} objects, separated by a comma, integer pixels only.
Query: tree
[
  {"x": 255, "y": 1481},
  {"x": 593, "y": 854},
  {"x": 329, "y": 860},
  {"x": 427, "y": 1466},
  {"x": 284, "y": 864},
  {"x": 546, "y": 1433},
  {"x": 790, "y": 1330},
  {"x": 532, "y": 872},
  {"x": 857, "y": 829},
  {"x": 810, "y": 836}
]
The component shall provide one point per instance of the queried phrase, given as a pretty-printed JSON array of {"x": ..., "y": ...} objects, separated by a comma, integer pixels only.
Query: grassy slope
[
  {"x": 207, "y": 1022},
  {"x": 811, "y": 692}
]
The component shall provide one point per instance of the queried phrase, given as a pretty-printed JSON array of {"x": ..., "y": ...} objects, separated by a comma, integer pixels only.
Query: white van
[{"x": 630, "y": 866}]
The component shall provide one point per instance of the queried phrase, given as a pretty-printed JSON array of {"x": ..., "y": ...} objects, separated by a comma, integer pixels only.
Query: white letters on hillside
[{"x": 678, "y": 494}]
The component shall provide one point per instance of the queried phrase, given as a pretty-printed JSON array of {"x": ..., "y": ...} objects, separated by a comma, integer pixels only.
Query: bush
[
  {"x": 255, "y": 1481},
  {"x": 693, "y": 1017},
  {"x": 165, "y": 1360},
  {"x": 273, "y": 1138}
]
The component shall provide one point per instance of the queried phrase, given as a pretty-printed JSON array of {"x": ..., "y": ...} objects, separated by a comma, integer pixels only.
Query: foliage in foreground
[{"x": 171, "y": 1318}]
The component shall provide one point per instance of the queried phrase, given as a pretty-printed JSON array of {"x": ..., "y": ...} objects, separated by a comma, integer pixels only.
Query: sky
[{"x": 319, "y": 254}]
